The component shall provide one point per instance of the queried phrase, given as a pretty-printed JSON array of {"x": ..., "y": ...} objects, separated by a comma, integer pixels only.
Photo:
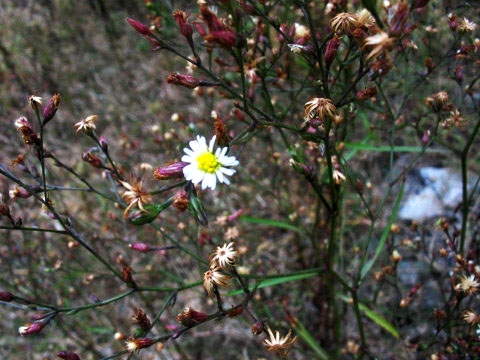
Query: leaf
[
  {"x": 367, "y": 266},
  {"x": 273, "y": 280},
  {"x": 375, "y": 317},
  {"x": 270, "y": 222},
  {"x": 307, "y": 337}
]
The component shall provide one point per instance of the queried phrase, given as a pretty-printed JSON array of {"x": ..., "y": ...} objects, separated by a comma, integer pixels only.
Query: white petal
[{"x": 212, "y": 143}]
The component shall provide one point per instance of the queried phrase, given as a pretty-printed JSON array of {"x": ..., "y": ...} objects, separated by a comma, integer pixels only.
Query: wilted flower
[
  {"x": 34, "y": 101},
  {"x": 468, "y": 285},
  {"x": 470, "y": 317},
  {"x": 28, "y": 134},
  {"x": 86, "y": 125},
  {"x": 181, "y": 200},
  {"x": 205, "y": 166},
  {"x": 141, "y": 319},
  {"x": 365, "y": 19},
  {"x": 344, "y": 23},
  {"x": 455, "y": 119},
  {"x": 214, "y": 278},
  {"x": 224, "y": 256},
  {"x": 135, "y": 196},
  {"x": 379, "y": 44},
  {"x": 338, "y": 177},
  {"x": 278, "y": 345},
  {"x": 467, "y": 26},
  {"x": 320, "y": 108},
  {"x": 437, "y": 101}
]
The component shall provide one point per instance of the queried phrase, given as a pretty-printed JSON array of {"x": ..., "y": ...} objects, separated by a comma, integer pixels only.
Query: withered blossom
[
  {"x": 224, "y": 256},
  {"x": 320, "y": 108},
  {"x": 378, "y": 45},
  {"x": 277, "y": 344},
  {"x": 86, "y": 125},
  {"x": 344, "y": 23},
  {"x": 468, "y": 285},
  {"x": 214, "y": 278},
  {"x": 135, "y": 196}
]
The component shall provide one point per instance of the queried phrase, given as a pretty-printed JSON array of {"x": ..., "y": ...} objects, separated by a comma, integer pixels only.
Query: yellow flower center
[{"x": 208, "y": 162}]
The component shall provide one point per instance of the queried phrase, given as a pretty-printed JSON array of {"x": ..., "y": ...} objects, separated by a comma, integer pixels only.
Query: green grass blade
[
  {"x": 270, "y": 222},
  {"x": 305, "y": 335},
  {"x": 375, "y": 317},
  {"x": 273, "y": 280},
  {"x": 368, "y": 265}
]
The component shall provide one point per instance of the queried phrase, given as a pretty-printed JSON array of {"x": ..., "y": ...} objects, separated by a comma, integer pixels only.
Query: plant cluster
[{"x": 309, "y": 103}]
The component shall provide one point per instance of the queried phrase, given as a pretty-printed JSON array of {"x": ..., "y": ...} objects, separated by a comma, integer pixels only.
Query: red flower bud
[
  {"x": 51, "y": 108},
  {"x": 366, "y": 93},
  {"x": 190, "y": 317},
  {"x": 31, "y": 329},
  {"x": 139, "y": 27},
  {"x": 68, "y": 355},
  {"x": 141, "y": 247},
  {"x": 184, "y": 80},
  {"x": 331, "y": 51},
  {"x": 171, "y": 171},
  {"x": 92, "y": 159},
  {"x": 186, "y": 29},
  {"x": 6, "y": 296}
]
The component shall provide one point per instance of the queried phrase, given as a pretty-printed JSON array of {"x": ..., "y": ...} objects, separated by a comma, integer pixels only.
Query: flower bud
[
  {"x": 92, "y": 159},
  {"x": 197, "y": 210},
  {"x": 139, "y": 27},
  {"x": 186, "y": 29},
  {"x": 171, "y": 171},
  {"x": 127, "y": 276},
  {"x": 6, "y": 296},
  {"x": 103, "y": 142},
  {"x": 31, "y": 329},
  {"x": 190, "y": 317},
  {"x": 188, "y": 81},
  {"x": 141, "y": 247},
  {"x": 331, "y": 51},
  {"x": 137, "y": 344},
  {"x": 258, "y": 328},
  {"x": 68, "y": 355},
  {"x": 366, "y": 93},
  {"x": 51, "y": 108},
  {"x": 28, "y": 134}
]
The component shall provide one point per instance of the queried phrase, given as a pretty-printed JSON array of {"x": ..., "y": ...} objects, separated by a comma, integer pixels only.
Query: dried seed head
[
  {"x": 344, "y": 23},
  {"x": 141, "y": 319},
  {"x": 321, "y": 108}
]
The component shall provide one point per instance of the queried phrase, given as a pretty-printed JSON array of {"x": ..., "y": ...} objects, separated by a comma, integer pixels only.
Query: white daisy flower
[{"x": 205, "y": 166}]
